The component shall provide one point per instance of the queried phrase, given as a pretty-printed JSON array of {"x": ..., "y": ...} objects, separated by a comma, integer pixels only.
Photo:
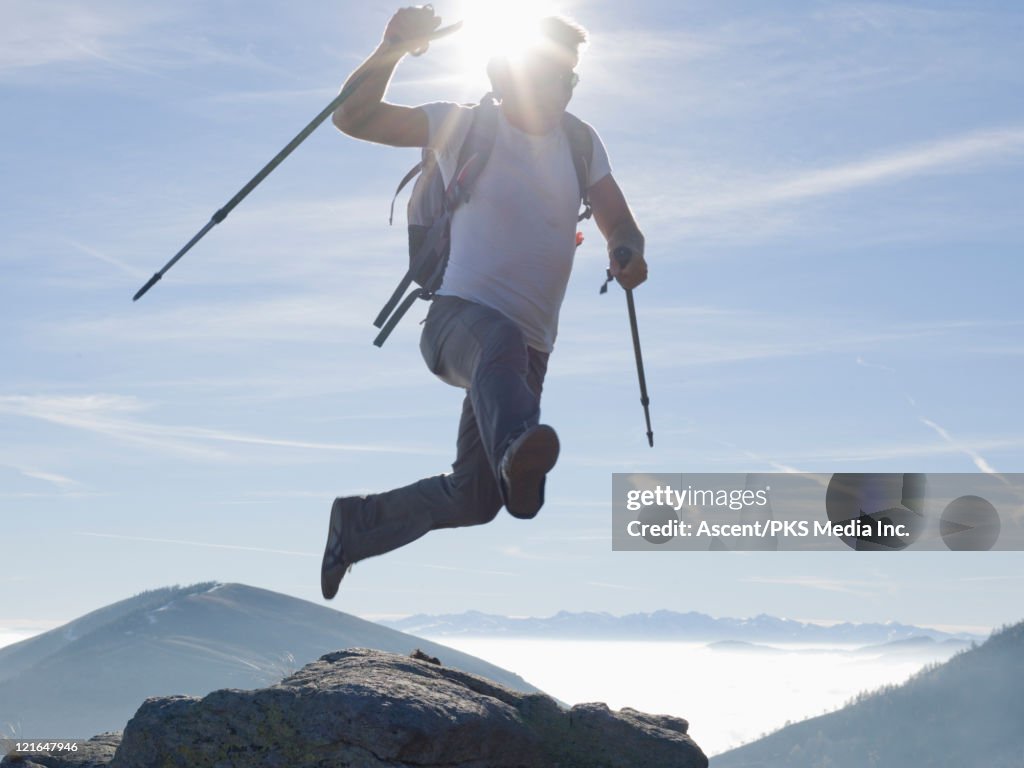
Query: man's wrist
[
  {"x": 633, "y": 240},
  {"x": 388, "y": 53}
]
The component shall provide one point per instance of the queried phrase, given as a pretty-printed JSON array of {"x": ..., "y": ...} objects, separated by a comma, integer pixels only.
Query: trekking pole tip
[
  {"x": 142, "y": 291},
  {"x": 650, "y": 439}
]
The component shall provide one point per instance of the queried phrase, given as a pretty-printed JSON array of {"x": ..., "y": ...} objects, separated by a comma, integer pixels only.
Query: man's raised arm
[{"x": 365, "y": 115}]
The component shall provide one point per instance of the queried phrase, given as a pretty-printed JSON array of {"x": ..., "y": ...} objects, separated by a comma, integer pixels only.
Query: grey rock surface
[{"x": 370, "y": 709}]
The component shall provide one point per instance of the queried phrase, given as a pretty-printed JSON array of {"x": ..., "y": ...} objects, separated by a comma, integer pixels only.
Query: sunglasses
[{"x": 566, "y": 78}]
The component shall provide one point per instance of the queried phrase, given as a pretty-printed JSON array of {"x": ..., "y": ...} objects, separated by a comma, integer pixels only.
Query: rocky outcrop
[{"x": 369, "y": 709}]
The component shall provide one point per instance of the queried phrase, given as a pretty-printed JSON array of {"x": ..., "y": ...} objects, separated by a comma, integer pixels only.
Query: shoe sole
[
  {"x": 534, "y": 458},
  {"x": 331, "y": 575}
]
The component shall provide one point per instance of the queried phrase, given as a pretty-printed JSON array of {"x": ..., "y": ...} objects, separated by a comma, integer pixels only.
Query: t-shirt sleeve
[
  {"x": 600, "y": 166},
  {"x": 448, "y": 126}
]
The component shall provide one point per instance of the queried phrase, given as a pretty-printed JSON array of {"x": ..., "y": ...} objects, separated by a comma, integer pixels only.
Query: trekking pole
[
  {"x": 622, "y": 255},
  {"x": 222, "y": 213}
]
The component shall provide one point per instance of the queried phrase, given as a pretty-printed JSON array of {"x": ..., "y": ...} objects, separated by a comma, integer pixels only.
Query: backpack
[{"x": 431, "y": 206}]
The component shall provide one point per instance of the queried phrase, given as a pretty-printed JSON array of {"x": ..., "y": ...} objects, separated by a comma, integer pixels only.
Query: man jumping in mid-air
[{"x": 492, "y": 323}]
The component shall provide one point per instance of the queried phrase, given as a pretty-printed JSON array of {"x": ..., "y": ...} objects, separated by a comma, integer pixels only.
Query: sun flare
[{"x": 498, "y": 28}]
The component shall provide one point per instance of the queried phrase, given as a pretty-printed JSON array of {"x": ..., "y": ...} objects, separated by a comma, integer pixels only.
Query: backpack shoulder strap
[
  {"x": 429, "y": 257},
  {"x": 581, "y": 144},
  {"x": 476, "y": 146},
  {"x": 405, "y": 180},
  {"x": 474, "y": 153}
]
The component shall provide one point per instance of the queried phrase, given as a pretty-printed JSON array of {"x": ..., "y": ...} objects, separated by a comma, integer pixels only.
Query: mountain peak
[{"x": 89, "y": 675}]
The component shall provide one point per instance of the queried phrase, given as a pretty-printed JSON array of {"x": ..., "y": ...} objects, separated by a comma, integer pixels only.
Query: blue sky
[{"x": 830, "y": 193}]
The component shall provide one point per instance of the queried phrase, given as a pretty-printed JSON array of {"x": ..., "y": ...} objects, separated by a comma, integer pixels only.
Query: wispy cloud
[
  {"x": 954, "y": 154},
  {"x": 865, "y": 364},
  {"x": 778, "y": 466},
  {"x": 114, "y": 416},
  {"x": 149, "y": 38},
  {"x": 904, "y": 450},
  {"x": 676, "y": 339},
  {"x": 99, "y": 255},
  {"x": 844, "y": 586},
  {"x": 776, "y": 56},
  {"x": 639, "y": 65},
  {"x": 45, "y": 32},
  {"x": 966, "y": 448},
  {"x": 893, "y": 17},
  {"x": 637, "y": 47},
  {"x": 618, "y": 587},
  {"x": 1002, "y": 577},
  {"x": 573, "y": 536},
  {"x": 280, "y": 95},
  {"x": 457, "y": 569},
  {"x": 60, "y": 481},
  {"x": 284, "y": 318},
  {"x": 206, "y": 544},
  {"x": 951, "y": 444},
  {"x": 518, "y": 553},
  {"x": 60, "y": 487}
]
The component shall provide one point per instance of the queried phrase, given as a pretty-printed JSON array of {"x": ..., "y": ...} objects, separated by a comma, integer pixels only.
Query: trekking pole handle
[
  {"x": 623, "y": 254},
  {"x": 436, "y": 34}
]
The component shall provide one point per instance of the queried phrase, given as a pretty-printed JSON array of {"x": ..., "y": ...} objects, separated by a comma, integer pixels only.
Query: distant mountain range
[
  {"x": 667, "y": 625},
  {"x": 92, "y": 674},
  {"x": 964, "y": 713}
]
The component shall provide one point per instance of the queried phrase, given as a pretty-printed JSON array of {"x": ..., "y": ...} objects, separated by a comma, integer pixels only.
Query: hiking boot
[
  {"x": 527, "y": 460},
  {"x": 334, "y": 565}
]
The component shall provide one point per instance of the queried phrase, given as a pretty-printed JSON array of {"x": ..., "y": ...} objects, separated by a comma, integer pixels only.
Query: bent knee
[
  {"x": 476, "y": 506},
  {"x": 479, "y": 511}
]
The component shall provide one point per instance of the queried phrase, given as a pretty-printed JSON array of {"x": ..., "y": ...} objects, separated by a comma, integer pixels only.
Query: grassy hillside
[{"x": 966, "y": 712}]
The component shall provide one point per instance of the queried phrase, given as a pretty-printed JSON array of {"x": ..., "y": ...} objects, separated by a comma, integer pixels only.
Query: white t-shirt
[{"x": 513, "y": 241}]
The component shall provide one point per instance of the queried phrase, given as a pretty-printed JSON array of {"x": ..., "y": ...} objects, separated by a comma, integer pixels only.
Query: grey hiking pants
[{"x": 480, "y": 350}]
